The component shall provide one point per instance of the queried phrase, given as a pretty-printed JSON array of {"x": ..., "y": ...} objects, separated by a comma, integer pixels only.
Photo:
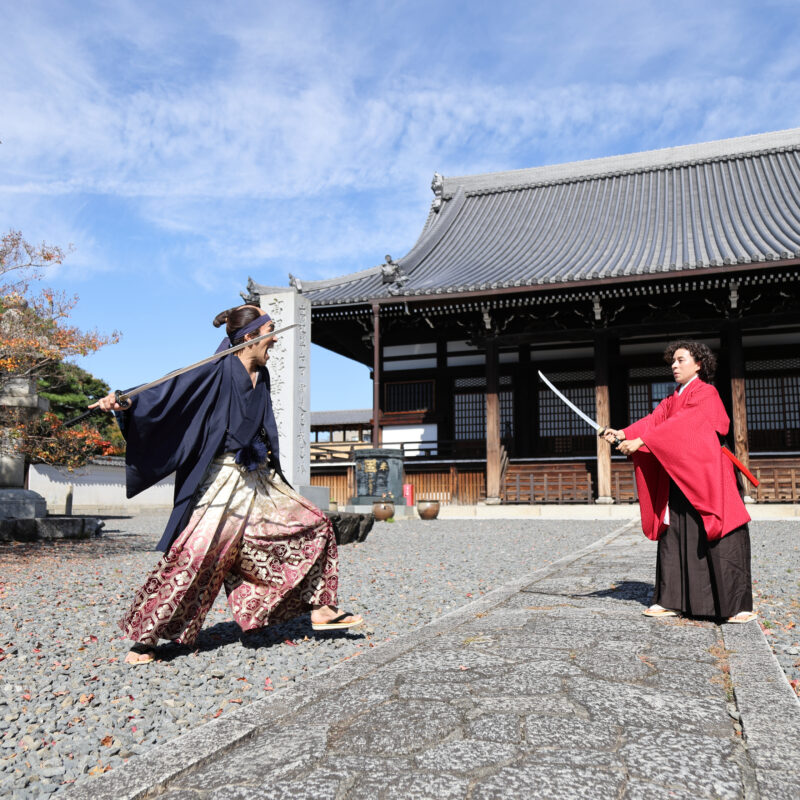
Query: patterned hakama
[{"x": 274, "y": 551}]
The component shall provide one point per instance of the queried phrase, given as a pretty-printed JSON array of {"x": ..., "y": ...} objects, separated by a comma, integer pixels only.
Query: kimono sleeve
[
  {"x": 167, "y": 426},
  {"x": 686, "y": 445}
]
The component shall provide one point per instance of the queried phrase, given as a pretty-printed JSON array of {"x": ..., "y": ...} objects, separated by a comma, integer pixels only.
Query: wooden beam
[
  {"x": 603, "y": 417},
  {"x": 728, "y": 270},
  {"x": 376, "y": 375},
  {"x": 738, "y": 400},
  {"x": 492, "y": 424}
]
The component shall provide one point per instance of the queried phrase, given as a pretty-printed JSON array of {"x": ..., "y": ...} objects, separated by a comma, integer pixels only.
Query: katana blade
[
  {"x": 585, "y": 417},
  {"x": 122, "y": 397},
  {"x": 215, "y": 357}
]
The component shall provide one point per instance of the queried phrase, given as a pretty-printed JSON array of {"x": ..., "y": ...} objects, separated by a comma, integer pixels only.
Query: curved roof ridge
[
  {"x": 308, "y": 286},
  {"x": 430, "y": 237},
  {"x": 647, "y": 160}
]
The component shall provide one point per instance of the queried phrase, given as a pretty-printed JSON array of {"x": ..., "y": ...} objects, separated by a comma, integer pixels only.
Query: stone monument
[
  {"x": 379, "y": 477},
  {"x": 290, "y": 377}
]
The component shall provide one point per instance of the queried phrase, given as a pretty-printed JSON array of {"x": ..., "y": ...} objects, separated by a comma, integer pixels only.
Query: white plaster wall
[
  {"x": 96, "y": 487},
  {"x": 289, "y": 369},
  {"x": 394, "y": 434}
]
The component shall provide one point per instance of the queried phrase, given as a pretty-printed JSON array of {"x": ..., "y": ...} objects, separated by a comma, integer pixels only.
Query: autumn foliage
[{"x": 35, "y": 337}]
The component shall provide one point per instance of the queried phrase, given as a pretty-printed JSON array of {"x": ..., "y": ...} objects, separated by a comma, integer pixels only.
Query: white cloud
[{"x": 306, "y": 134}]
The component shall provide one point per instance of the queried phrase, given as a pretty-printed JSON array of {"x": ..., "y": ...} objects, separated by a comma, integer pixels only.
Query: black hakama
[{"x": 697, "y": 577}]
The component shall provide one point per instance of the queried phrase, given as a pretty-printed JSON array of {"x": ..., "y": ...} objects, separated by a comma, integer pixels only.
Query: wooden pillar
[
  {"x": 376, "y": 376},
  {"x": 492, "y": 425},
  {"x": 603, "y": 417},
  {"x": 443, "y": 402},
  {"x": 523, "y": 421},
  {"x": 738, "y": 401}
]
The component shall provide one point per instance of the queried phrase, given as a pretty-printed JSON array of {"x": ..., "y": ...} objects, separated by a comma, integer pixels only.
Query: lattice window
[
  {"x": 772, "y": 364},
  {"x": 557, "y": 419},
  {"x": 649, "y": 372},
  {"x": 469, "y": 415},
  {"x": 773, "y": 404},
  {"x": 478, "y": 382},
  {"x": 644, "y": 397},
  {"x": 574, "y": 376},
  {"x": 408, "y": 396}
]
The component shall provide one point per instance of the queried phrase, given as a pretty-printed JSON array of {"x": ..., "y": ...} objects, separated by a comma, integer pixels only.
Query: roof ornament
[
  {"x": 252, "y": 297},
  {"x": 437, "y": 187},
  {"x": 392, "y": 273},
  {"x": 295, "y": 283}
]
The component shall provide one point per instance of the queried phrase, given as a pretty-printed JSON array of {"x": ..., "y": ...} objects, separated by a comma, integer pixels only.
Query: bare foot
[{"x": 140, "y": 654}]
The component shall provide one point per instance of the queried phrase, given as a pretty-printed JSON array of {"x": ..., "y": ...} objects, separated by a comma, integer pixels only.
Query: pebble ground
[{"x": 70, "y": 709}]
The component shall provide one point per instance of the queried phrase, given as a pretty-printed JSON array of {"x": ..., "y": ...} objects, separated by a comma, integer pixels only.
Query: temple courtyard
[{"x": 500, "y": 658}]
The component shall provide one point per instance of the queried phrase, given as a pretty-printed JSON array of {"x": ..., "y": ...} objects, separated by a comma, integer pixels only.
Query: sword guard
[
  {"x": 616, "y": 443},
  {"x": 122, "y": 399}
]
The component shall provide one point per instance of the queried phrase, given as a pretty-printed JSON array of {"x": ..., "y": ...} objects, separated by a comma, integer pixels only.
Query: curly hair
[{"x": 700, "y": 352}]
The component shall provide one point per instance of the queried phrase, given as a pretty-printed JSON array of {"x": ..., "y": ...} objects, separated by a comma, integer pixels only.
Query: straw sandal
[
  {"x": 659, "y": 611},
  {"x": 338, "y": 623},
  {"x": 742, "y": 617}
]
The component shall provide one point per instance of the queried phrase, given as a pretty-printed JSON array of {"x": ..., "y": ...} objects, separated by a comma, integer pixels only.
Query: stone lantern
[
  {"x": 23, "y": 513},
  {"x": 20, "y": 395}
]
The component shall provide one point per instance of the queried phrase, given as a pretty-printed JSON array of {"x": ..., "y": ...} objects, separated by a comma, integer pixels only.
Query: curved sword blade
[
  {"x": 215, "y": 357},
  {"x": 585, "y": 417}
]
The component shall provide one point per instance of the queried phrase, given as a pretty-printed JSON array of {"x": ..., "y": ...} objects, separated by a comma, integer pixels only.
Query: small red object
[{"x": 408, "y": 493}]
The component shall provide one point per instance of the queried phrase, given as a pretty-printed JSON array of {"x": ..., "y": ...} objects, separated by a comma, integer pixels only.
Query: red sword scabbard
[{"x": 741, "y": 467}]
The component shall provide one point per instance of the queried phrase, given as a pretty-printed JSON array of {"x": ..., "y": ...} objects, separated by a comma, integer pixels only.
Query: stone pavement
[{"x": 551, "y": 686}]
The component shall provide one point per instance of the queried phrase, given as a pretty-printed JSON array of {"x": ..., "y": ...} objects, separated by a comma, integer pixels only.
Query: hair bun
[{"x": 222, "y": 317}]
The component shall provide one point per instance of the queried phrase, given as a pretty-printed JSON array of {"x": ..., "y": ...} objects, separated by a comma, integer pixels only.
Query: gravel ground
[
  {"x": 776, "y": 590},
  {"x": 70, "y": 709}
]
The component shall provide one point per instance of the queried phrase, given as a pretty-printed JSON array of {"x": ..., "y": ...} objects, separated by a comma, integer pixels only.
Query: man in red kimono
[{"x": 689, "y": 497}]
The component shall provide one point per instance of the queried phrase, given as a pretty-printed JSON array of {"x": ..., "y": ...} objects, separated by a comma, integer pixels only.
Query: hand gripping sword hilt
[
  {"x": 122, "y": 399},
  {"x": 616, "y": 443}
]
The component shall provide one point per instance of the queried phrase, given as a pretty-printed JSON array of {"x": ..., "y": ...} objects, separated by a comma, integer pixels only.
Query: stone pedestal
[
  {"x": 289, "y": 370},
  {"x": 379, "y": 477},
  {"x": 21, "y": 504}
]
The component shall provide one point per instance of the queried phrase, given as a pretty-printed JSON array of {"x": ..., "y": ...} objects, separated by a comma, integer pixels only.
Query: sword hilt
[
  {"x": 121, "y": 398},
  {"x": 616, "y": 443}
]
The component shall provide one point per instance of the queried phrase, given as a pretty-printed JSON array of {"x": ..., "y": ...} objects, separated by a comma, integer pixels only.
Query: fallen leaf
[{"x": 107, "y": 741}]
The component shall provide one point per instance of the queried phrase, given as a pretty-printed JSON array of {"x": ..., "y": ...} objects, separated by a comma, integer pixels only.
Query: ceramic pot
[
  {"x": 383, "y": 511},
  {"x": 428, "y": 509}
]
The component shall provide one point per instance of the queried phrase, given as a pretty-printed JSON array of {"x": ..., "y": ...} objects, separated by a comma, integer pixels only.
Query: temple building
[{"x": 583, "y": 271}]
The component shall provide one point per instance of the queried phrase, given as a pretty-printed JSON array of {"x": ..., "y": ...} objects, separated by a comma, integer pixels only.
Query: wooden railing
[
  {"x": 779, "y": 480},
  {"x": 547, "y": 483},
  {"x": 464, "y": 485},
  {"x": 623, "y": 482},
  {"x": 411, "y": 451}
]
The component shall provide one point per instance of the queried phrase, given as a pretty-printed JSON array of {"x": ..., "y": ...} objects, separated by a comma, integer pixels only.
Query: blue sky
[{"x": 182, "y": 147}]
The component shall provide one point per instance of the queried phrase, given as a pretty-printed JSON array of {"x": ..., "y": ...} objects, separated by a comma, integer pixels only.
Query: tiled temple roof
[
  {"x": 353, "y": 416},
  {"x": 735, "y": 201}
]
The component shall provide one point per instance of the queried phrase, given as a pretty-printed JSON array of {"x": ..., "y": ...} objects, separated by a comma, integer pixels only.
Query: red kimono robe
[{"x": 681, "y": 443}]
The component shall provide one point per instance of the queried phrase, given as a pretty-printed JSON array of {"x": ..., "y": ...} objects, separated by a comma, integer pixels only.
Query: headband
[{"x": 228, "y": 341}]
